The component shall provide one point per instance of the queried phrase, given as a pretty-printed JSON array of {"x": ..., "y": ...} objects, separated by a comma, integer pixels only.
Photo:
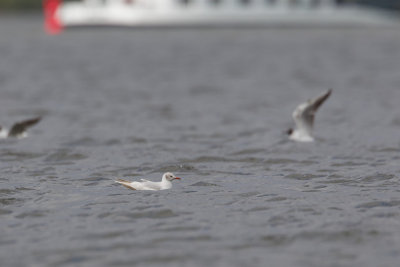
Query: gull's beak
[{"x": 177, "y": 178}]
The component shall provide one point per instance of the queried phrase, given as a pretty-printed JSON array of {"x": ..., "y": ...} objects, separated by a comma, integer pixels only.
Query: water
[{"x": 210, "y": 105}]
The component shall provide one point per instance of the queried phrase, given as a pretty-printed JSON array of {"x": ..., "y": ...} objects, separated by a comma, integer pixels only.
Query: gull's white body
[
  {"x": 4, "y": 134},
  {"x": 304, "y": 115},
  {"x": 301, "y": 136},
  {"x": 149, "y": 185}
]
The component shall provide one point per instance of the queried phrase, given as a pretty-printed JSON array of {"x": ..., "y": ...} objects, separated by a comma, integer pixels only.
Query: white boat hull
[{"x": 83, "y": 14}]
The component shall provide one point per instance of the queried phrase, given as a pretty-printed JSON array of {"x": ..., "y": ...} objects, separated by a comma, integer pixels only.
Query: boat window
[
  {"x": 184, "y": 2},
  {"x": 215, "y": 2},
  {"x": 270, "y": 2},
  {"x": 294, "y": 3},
  {"x": 315, "y": 3},
  {"x": 245, "y": 2}
]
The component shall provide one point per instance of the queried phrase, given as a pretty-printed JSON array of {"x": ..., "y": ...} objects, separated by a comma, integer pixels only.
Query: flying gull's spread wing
[
  {"x": 304, "y": 114},
  {"x": 20, "y": 127}
]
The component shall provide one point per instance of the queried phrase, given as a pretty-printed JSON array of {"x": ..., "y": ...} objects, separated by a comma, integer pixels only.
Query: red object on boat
[{"x": 52, "y": 24}]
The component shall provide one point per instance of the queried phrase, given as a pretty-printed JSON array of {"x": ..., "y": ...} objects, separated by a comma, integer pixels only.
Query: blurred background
[
  {"x": 211, "y": 105},
  {"x": 35, "y": 5}
]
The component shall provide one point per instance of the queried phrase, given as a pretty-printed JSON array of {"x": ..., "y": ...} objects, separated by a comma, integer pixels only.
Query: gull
[
  {"x": 304, "y": 115},
  {"x": 149, "y": 185},
  {"x": 18, "y": 130}
]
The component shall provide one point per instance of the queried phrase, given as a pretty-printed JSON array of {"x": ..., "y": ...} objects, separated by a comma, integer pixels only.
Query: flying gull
[
  {"x": 304, "y": 115},
  {"x": 18, "y": 130}
]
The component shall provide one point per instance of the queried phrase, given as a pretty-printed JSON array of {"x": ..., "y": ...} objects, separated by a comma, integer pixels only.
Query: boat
[{"x": 137, "y": 13}]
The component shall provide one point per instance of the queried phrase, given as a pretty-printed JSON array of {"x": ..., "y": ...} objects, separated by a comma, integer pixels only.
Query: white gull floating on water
[
  {"x": 304, "y": 115},
  {"x": 149, "y": 185},
  {"x": 18, "y": 130}
]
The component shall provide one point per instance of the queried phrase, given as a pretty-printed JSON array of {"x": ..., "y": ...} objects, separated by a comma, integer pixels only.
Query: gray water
[{"x": 210, "y": 105}]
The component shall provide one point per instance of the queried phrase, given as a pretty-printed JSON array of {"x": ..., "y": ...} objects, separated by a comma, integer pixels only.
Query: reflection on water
[{"x": 211, "y": 106}]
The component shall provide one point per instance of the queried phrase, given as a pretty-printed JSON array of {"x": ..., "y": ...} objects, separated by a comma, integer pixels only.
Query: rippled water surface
[{"x": 210, "y": 105}]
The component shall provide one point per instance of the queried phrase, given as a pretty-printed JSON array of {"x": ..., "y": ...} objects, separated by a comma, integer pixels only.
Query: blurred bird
[
  {"x": 18, "y": 130},
  {"x": 303, "y": 116},
  {"x": 149, "y": 185}
]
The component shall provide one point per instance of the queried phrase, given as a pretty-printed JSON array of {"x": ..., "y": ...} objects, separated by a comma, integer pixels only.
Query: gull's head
[
  {"x": 289, "y": 131},
  {"x": 170, "y": 176}
]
